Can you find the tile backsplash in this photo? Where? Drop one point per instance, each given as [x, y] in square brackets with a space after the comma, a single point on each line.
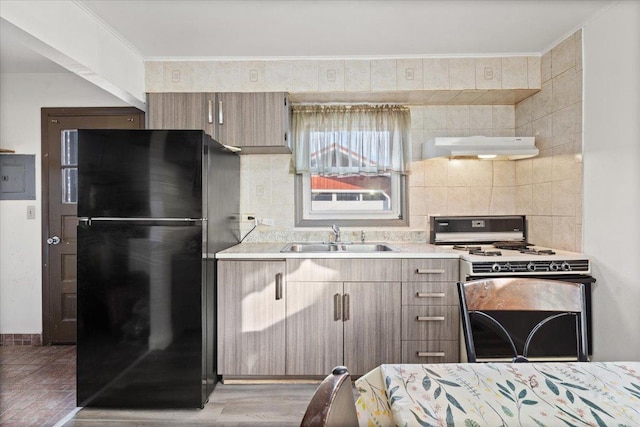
[454, 97]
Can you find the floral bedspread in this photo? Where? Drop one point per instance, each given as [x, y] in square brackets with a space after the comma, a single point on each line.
[501, 394]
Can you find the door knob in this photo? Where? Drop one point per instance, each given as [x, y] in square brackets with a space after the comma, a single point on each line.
[53, 240]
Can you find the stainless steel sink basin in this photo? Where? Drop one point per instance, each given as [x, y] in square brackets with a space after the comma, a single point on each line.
[338, 247]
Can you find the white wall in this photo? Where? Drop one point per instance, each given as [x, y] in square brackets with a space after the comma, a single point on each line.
[612, 177]
[21, 97]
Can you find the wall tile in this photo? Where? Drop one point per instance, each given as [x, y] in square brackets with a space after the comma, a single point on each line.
[436, 201]
[514, 72]
[524, 171]
[542, 131]
[480, 200]
[481, 117]
[435, 117]
[564, 164]
[505, 132]
[524, 130]
[563, 198]
[545, 67]
[524, 199]
[504, 173]
[459, 200]
[484, 132]
[435, 73]
[494, 67]
[503, 200]
[176, 77]
[578, 49]
[154, 76]
[534, 72]
[457, 175]
[416, 177]
[409, 74]
[503, 116]
[480, 172]
[417, 116]
[462, 73]
[278, 76]
[457, 117]
[565, 90]
[417, 205]
[331, 76]
[305, 76]
[383, 75]
[418, 221]
[417, 138]
[542, 102]
[564, 233]
[202, 75]
[357, 76]
[540, 200]
[523, 112]
[563, 56]
[564, 121]
[541, 167]
[436, 172]
[540, 229]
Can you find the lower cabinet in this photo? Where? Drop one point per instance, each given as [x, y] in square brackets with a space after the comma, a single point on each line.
[354, 324]
[251, 318]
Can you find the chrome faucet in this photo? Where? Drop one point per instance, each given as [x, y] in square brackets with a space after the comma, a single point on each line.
[336, 233]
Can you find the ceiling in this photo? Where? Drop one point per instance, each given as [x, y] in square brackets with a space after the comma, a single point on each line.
[241, 29]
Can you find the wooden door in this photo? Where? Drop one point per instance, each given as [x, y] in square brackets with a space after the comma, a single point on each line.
[59, 191]
[182, 111]
[251, 318]
[372, 325]
[314, 327]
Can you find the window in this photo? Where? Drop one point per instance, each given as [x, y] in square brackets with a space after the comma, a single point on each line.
[351, 163]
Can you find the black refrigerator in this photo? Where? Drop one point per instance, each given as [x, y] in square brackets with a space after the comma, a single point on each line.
[152, 205]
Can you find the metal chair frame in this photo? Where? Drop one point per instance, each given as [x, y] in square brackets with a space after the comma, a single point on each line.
[522, 294]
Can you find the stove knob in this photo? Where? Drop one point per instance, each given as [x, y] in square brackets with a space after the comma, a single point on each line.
[531, 267]
[496, 268]
[565, 266]
[554, 267]
[506, 267]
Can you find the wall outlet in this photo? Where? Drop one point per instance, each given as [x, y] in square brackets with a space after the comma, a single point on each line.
[488, 73]
[247, 217]
[266, 221]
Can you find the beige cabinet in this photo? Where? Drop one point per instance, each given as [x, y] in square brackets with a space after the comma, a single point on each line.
[173, 110]
[251, 318]
[350, 316]
[430, 313]
[256, 122]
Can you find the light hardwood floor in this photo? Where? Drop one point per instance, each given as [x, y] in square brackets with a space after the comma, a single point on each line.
[229, 405]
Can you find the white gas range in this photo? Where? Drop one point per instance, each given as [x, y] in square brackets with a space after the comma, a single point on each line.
[496, 246]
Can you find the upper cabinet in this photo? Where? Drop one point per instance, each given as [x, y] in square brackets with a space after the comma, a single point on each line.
[255, 122]
[173, 110]
[258, 123]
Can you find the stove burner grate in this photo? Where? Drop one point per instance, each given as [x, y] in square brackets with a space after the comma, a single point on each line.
[466, 248]
[485, 253]
[534, 251]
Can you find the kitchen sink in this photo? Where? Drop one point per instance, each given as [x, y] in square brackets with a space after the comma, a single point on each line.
[338, 247]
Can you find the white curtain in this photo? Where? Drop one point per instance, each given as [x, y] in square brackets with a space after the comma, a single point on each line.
[351, 140]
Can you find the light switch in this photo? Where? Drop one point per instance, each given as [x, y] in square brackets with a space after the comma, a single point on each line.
[253, 75]
[31, 212]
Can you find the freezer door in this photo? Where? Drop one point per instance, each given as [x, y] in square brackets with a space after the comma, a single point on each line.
[140, 298]
[140, 173]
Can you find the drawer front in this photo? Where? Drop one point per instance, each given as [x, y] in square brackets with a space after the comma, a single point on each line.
[431, 323]
[430, 270]
[429, 293]
[343, 270]
[430, 352]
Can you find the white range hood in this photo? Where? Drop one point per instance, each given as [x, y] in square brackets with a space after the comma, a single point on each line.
[480, 147]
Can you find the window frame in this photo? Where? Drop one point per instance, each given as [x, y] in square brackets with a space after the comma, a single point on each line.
[303, 195]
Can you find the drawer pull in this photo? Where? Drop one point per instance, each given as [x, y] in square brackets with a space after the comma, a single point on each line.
[430, 294]
[430, 271]
[430, 318]
[278, 286]
[337, 307]
[431, 354]
[346, 308]
[210, 112]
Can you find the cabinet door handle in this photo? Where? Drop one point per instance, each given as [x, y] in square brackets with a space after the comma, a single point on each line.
[431, 354]
[210, 112]
[430, 294]
[430, 318]
[430, 271]
[345, 307]
[279, 286]
[337, 307]
[220, 115]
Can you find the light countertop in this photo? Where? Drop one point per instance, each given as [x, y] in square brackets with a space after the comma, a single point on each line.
[272, 251]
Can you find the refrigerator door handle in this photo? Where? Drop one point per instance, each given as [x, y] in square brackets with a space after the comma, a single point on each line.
[90, 220]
